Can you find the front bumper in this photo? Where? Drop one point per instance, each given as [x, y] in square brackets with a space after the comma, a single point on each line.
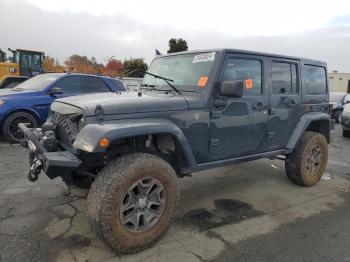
[54, 164]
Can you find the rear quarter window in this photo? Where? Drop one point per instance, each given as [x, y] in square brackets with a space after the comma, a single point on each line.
[315, 80]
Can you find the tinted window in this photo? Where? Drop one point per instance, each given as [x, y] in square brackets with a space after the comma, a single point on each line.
[31, 61]
[118, 84]
[115, 84]
[70, 84]
[315, 80]
[284, 78]
[94, 85]
[246, 70]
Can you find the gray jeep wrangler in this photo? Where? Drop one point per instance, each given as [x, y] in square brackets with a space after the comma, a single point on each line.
[193, 111]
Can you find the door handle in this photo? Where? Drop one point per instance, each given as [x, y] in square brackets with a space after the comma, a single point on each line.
[259, 107]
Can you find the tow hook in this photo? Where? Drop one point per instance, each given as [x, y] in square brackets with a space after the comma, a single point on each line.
[35, 170]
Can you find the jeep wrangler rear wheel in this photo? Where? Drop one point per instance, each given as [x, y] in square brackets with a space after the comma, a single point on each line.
[132, 202]
[307, 163]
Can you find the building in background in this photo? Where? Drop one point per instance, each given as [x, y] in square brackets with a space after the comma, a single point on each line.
[339, 82]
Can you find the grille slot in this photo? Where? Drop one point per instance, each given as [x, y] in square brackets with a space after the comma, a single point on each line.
[65, 127]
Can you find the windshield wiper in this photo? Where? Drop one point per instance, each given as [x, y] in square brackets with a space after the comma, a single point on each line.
[167, 80]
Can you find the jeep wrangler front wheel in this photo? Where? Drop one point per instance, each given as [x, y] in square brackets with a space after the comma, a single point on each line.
[307, 163]
[132, 202]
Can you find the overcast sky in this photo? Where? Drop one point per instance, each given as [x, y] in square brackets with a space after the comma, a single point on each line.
[310, 28]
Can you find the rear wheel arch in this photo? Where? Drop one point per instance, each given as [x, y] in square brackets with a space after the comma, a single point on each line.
[320, 126]
[319, 123]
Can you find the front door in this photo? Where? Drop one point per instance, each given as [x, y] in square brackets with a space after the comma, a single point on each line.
[238, 125]
[284, 109]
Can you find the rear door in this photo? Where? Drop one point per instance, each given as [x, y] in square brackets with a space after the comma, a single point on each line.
[91, 84]
[285, 101]
[238, 125]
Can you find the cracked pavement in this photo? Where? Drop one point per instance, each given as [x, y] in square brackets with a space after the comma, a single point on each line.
[245, 212]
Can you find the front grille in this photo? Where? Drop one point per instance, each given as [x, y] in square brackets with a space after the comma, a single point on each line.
[65, 127]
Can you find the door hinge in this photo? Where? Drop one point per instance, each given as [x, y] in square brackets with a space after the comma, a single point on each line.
[215, 114]
[271, 134]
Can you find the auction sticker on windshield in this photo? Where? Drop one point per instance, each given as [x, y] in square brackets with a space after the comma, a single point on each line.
[204, 57]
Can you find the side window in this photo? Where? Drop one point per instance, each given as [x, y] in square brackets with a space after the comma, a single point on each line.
[247, 70]
[70, 84]
[119, 85]
[94, 85]
[284, 78]
[36, 62]
[26, 61]
[315, 80]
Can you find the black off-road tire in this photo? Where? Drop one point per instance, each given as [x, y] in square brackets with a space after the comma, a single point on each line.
[296, 162]
[346, 133]
[109, 188]
[14, 118]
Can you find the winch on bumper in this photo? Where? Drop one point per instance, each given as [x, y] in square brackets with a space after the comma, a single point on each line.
[46, 155]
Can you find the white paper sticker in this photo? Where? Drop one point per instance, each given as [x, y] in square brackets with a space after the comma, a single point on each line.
[204, 57]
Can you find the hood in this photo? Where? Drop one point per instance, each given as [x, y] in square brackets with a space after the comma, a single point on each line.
[10, 92]
[127, 102]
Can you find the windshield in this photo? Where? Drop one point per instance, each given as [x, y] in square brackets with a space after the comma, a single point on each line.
[38, 82]
[336, 97]
[185, 70]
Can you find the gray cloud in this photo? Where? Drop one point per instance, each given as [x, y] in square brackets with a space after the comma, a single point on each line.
[61, 34]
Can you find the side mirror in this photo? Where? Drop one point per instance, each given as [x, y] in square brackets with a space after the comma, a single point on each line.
[232, 88]
[55, 91]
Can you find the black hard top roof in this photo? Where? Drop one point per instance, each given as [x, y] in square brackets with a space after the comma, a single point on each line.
[238, 51]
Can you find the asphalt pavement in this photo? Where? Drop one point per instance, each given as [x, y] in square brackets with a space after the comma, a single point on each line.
[245, 212]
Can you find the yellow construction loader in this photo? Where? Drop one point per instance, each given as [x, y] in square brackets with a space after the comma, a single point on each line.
[23, 65]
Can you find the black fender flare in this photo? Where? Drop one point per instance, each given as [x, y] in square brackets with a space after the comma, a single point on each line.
[304, 121]
[88, 138]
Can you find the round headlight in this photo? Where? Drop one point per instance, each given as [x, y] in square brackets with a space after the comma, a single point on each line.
[81, 123]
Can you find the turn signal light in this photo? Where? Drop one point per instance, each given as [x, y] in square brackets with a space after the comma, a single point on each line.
[104, 142]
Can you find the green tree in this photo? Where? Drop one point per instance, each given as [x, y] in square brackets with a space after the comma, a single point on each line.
[133, 65]
[177, 45]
